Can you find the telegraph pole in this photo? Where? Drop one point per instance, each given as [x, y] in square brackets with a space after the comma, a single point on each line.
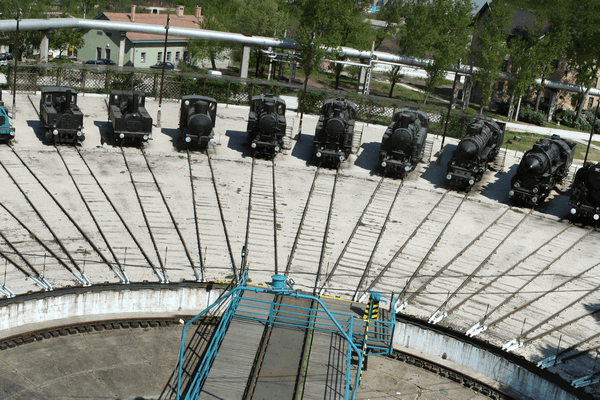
[162, 77]
[16, 57]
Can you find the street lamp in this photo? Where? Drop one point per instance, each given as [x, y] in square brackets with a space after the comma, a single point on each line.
[18, 18]
[162, 77]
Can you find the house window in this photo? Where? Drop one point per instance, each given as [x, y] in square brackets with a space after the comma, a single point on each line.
[168, 56]
[160, 57]
[595, 82]
[143, 57]
[505, 66]
[99, 33]
[500, 87]
[98, 53]
[107, 54]
[177, 55]
[554, 63]
[590, 102]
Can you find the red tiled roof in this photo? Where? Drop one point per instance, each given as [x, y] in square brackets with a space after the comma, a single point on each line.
[187, 21]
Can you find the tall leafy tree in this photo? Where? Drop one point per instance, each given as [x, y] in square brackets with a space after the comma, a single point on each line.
[489, 48]
[64, 38]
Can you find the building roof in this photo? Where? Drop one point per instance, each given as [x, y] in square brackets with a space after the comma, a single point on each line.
[186, 21]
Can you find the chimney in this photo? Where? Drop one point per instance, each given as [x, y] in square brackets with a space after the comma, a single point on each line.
[198, 12]
[132, 16]
[180, 11]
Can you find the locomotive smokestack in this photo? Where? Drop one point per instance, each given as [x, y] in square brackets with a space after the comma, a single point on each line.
[200, 107]
[136, 103]
[68, 100]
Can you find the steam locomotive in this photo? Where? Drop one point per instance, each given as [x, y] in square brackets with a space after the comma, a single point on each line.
[7, 132]
[129, 119]
[333, 137]
[197, 119]
[62, 119]
[403, 141]
[477, 148]
[266, 125]
[541, 168]
[585, 192]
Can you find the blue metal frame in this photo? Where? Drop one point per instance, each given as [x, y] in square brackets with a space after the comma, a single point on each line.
[259, 310]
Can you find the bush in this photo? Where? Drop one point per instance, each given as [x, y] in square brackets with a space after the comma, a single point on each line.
[527, 114]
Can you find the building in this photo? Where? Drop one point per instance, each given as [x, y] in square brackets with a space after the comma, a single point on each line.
[140, 50]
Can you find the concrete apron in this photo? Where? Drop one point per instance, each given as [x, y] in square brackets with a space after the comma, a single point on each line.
[56, 309]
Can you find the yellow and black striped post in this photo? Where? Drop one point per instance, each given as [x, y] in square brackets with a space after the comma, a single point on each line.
[371, 313]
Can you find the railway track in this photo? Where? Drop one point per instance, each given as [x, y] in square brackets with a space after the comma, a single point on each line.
[305, 260]
[354, 262]
[261, 225]
[209, 220]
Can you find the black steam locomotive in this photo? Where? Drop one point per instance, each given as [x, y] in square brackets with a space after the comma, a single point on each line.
[197, 119]
[541, 168]
[128, 117]
[333, 137]
[477, 148]
[403, 141]
[62, 119]
[266, 125]
[585, 192]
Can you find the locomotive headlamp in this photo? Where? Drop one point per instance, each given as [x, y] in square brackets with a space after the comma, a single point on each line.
[471, 182]
[12, 133]
[511, 193]
[277, 149]
[449, 176]
[534, 199]
[253, 145]
[145, 138]
[79, 127]
[55, 132]
[573, 211]
[79, 133]
[517, 184]
[342, 158]
[122, 136]
[318, 154]
[596, 216]
[407, 168]
[535, 190]
[383, 164]
[188, 139]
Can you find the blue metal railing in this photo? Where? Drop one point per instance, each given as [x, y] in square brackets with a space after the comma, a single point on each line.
[321, 319]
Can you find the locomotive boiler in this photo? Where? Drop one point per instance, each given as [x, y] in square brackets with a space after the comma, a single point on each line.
[7, 132]
[128, 117]
[197, 119]
[585, 192]
[540, 169]
[266, 125]
[332, 143]
[403, 142]
[476, 150]
[60, 115]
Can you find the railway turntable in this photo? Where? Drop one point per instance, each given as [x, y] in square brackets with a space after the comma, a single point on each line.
[274, 342]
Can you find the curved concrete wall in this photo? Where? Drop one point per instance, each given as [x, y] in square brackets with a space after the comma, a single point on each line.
[29, 313]
[476, 362]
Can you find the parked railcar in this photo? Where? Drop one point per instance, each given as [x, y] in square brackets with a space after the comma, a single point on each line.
[266, 125]
[585, 192]
[197, 120]
[403, 142]
[60, 115]
[334, 133]
[476, 150]
[128, 117]
[7, 132]
[541, 169]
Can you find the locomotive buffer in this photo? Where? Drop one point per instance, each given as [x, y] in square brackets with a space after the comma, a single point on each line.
[277, 343]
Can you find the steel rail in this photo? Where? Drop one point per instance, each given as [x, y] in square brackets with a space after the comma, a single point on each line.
[326, 233]
[82, 278]
[301, 223]
[398, 306]
[39, 279]
[214, 182]
[406, 242]
[114, 208]
[179, 234]
[434, 317]
[162, 278]
[123, 276]
[275, 216]
[200, 256]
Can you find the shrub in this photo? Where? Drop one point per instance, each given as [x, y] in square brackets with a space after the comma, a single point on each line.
[527, 114]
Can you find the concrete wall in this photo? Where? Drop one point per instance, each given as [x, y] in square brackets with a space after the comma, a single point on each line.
[476, 362]
[50, 311]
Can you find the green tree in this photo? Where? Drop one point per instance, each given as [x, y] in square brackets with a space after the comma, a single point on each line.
[64, 38]
[489, 48]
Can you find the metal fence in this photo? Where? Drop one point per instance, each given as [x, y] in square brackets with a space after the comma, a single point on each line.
[225, 89]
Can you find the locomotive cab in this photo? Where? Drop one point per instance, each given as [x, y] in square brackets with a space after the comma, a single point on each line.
[129, 119]
[197, 119]
[62, 118]
[266, 125]
[332, 143]
[403, 142]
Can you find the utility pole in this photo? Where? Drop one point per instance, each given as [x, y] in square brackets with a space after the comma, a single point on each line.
[16, 57]
[307, 74]
[162, 77]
